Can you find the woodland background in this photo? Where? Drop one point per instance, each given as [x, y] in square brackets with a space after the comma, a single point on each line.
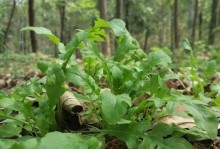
[154, 23]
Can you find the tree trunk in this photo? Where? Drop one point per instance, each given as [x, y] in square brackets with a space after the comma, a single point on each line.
[62, 7]
[171, 29]
[175, 25]
[213, 22]
[146, 40]
[194, 22]
[126, 7]
[31, 23]
[103, 15]
[119, 9]
[200, 25]
[9, 22]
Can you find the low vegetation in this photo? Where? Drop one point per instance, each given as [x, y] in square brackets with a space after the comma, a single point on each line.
[116, 102]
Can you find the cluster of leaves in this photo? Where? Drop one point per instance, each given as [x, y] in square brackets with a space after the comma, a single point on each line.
[126, 95]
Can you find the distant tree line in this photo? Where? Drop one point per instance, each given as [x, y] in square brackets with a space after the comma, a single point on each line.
[152, 22]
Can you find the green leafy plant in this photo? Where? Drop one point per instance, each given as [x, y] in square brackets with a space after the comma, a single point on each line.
[126, 95]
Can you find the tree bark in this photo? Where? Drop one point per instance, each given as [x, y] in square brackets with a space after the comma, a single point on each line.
[119, 9]
[31, 23]
[194, 22]
[171, 29]
[103, 15]
[146, 40]
[9, 22]
[126, 6]
[62, 7]
[175, 25]
[200, 25]
[213, 21]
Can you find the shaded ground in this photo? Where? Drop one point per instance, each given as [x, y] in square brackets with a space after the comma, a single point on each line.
[15, 70]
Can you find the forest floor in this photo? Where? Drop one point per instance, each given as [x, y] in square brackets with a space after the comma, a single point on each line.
[16, 70]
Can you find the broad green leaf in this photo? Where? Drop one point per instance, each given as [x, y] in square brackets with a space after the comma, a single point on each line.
[43, 66]
[43, 31]
[210, 69]
[55, 84]
[130, 133]
[29, 142]
[123, 48]
[7, 143]
[7, 103]
[216, 101]
[162, 130]
[173, 142]
[204, 118]
[38, 30]
[118, 27]
[158, 58]
[113, 107]
[72, 46]
[100, 23]
[61, 48]
[97, 34]
[80, 78]
[157, 135]
[117, 77]
[154, 84]
[117, 73]
[186, 45]
[58, 140]
[9, 130]
[195, 133]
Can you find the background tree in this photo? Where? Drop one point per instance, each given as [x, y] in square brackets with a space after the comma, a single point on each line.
[103, 15]
[126, 12]
[194, 21]
[119, 9]
[175, 24]
[31, 23]
[213, 21]
[151, 22]
[61, 4]
[9, 21]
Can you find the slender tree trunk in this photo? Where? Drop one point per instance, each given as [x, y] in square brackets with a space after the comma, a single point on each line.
[31, 23]
[9, 22]
[103, 9]
[200, 25]
[62, 7]
[147, 33]
[171, 28]
[119, 9]
[103, 15]
[213, 22]
[175, 25]
[194, 22]
[126, 7]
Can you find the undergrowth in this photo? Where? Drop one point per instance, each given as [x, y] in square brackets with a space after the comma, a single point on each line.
[125, 95]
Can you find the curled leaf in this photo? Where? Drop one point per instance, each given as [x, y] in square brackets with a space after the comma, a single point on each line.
[70, 104]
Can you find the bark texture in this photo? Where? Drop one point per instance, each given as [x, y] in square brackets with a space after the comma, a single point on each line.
[213, 21]
[9, 22]
[31, 23]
